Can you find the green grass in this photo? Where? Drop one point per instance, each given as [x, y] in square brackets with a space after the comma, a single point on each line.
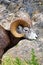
[34, 60]
[8, 60]
[13, 61]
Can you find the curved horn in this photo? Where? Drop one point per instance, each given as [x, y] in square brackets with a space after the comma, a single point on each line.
[14, 26]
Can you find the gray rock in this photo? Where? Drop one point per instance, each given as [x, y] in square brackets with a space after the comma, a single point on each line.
[23, 50]
[38, 20]
[40, 24]
[3, 12]
[1, 1]
[24, 5]
[12, 7]
[7, 19]
[6, 2]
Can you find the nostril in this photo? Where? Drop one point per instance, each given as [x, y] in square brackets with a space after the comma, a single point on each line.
[36, 36]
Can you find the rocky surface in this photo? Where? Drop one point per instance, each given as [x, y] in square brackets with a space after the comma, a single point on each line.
[8, 10]
[5, 17]
[23, 48]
